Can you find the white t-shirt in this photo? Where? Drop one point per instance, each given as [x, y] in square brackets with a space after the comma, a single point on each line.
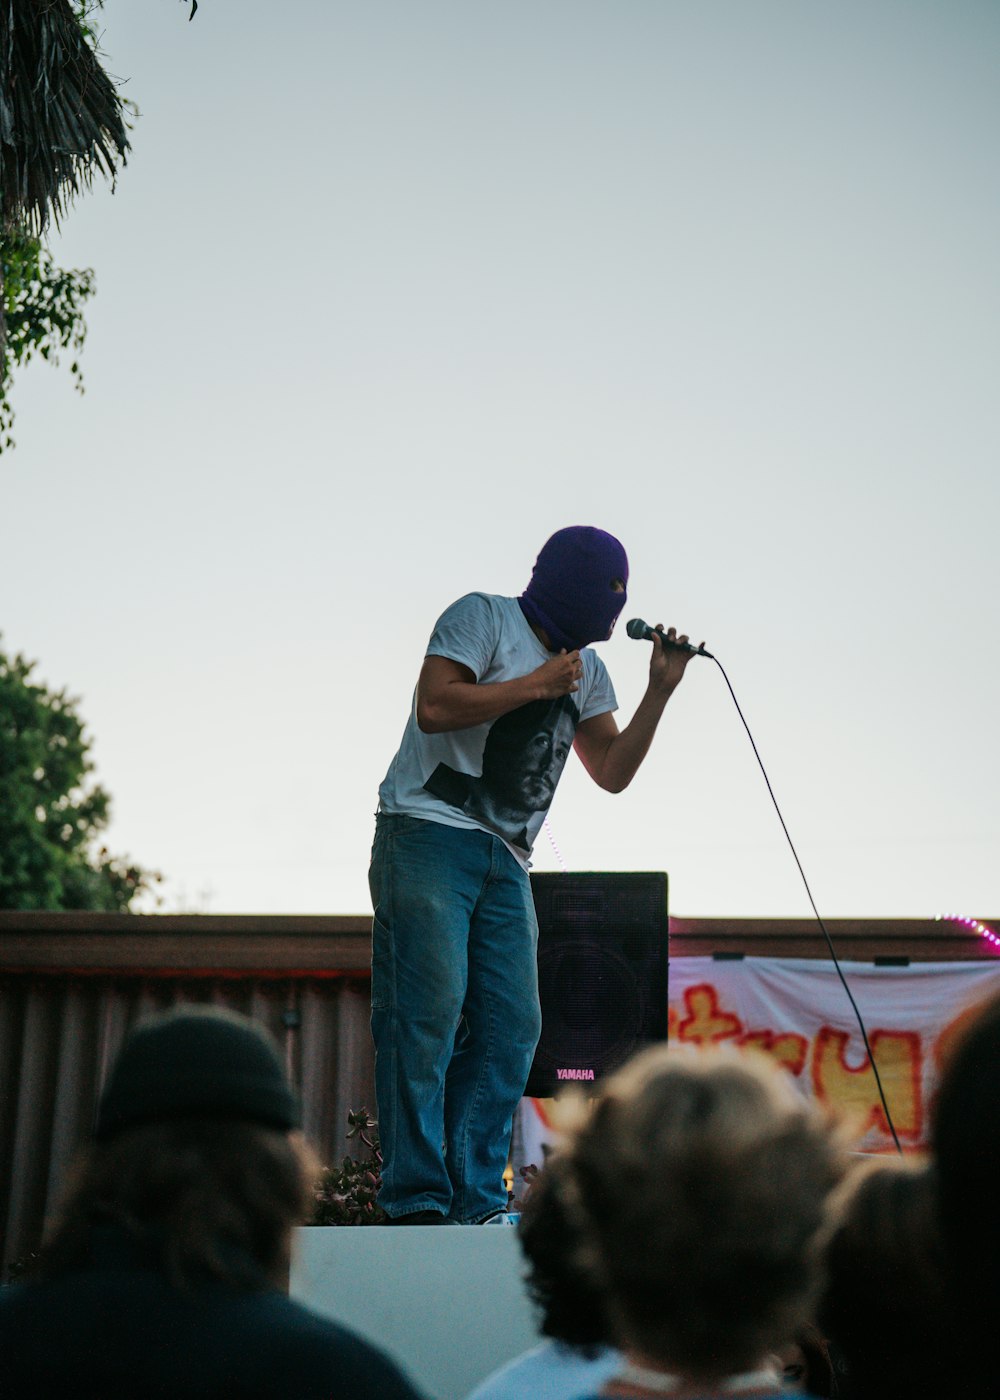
[500, 776]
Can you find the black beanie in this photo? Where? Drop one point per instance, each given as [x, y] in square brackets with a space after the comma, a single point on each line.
[196, 1062]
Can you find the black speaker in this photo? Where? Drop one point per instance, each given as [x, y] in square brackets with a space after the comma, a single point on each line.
[602, 974]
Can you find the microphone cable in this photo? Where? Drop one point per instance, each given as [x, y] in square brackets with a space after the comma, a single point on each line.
[641, 631]
[819, 919]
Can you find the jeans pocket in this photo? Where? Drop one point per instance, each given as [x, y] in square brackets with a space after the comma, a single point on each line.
[383, 951]
[383, 970]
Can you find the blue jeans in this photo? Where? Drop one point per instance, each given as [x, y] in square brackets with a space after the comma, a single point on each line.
[455, 1014]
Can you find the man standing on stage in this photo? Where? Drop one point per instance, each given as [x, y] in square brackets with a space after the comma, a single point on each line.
[507, 685]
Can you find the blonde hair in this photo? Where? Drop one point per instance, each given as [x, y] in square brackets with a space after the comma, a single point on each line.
[700, 1182]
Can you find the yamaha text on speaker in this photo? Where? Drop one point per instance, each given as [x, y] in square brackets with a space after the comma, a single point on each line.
[602, 973]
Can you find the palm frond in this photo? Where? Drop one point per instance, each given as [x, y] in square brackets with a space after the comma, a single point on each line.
[61, 118]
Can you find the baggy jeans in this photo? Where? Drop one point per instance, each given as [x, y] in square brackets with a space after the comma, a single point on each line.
[455, 1013]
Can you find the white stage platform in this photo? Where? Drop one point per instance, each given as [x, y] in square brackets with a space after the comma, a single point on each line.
[447, 1302]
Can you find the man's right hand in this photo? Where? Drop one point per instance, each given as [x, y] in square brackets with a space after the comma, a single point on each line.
[558, 676]
[449, 696]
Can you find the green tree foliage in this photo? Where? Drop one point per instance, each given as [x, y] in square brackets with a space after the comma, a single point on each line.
[62, 119]
[51, 813]
[346, 1195]
[43, 311]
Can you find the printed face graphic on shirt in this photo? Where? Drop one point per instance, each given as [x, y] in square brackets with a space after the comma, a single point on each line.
[523, 761]
[523, 758]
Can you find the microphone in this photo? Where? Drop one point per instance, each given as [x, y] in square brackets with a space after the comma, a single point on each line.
[641, 631]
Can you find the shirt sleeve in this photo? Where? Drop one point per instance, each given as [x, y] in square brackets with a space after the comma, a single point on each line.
[467, 632]
[601, 696]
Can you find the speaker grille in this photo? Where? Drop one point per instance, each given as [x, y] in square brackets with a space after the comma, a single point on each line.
[602, 972]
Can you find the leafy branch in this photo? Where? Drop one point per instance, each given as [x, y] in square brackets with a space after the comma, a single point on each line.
[43, 313]
[62, 120]
[346, 1195]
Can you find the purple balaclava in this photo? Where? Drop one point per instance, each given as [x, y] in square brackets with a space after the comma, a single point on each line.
[570, 594]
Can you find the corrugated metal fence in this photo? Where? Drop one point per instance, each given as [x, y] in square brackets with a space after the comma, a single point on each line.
[71, 986]
[61, 1028]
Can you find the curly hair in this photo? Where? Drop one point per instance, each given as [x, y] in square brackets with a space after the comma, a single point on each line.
[570, 1302]
[205, 1197]
[701, 1182]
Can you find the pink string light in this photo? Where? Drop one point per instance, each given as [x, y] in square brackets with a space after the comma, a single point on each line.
[552, 843]
[982, 929]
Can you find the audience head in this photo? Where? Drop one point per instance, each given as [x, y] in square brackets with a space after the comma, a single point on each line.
[966, 1144]
[194, 1153]
[571, 1303]
[805, 1363]
[701, 1182]
[885, 1306]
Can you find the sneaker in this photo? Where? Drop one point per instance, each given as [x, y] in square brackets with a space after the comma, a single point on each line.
[419, 1217]
[500, 1217]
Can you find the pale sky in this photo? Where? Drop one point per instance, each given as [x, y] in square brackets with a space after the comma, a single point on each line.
[389, 292]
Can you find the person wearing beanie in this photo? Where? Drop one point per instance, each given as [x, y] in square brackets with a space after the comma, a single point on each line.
[508, 686]
[197, 1063]
[164, 1273]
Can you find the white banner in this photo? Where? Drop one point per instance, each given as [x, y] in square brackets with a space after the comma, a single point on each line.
[797, 1010]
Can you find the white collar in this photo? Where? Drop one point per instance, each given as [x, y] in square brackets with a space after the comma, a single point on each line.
[663, 1383]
